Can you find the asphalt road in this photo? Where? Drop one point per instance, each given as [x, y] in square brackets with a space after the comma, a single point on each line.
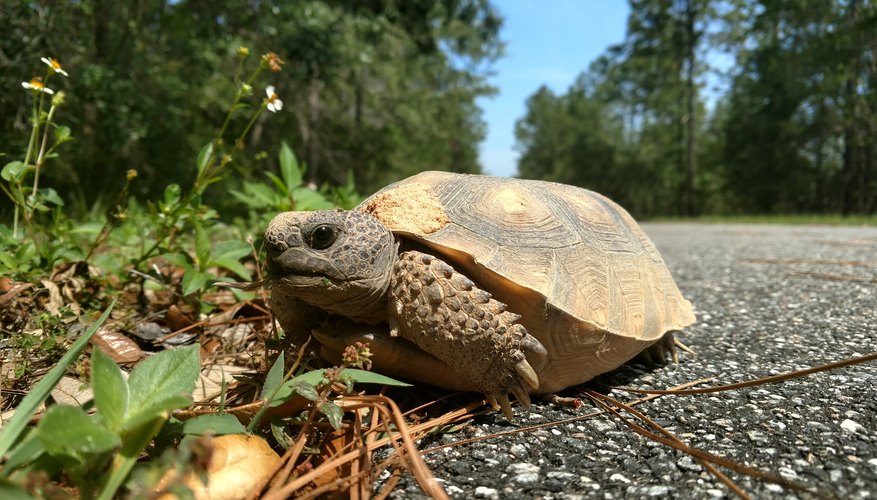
[769, 299]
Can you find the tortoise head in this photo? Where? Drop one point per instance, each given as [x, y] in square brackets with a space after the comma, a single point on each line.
[337, 260]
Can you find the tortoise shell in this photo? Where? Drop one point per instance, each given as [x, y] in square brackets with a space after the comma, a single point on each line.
[586, 280]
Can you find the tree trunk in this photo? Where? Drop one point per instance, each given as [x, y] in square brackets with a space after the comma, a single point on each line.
[310, 134]
[691, 98]
[852, 157]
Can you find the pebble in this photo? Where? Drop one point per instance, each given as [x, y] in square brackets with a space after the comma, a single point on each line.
[688, 463]
[648, 491]
[518, 450]
[485, 492]
[618, 478]
[851, 426]
[523, 472]
[560, 475]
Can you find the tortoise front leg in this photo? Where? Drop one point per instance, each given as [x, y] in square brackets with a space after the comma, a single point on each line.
[295, 317]
[446, 315]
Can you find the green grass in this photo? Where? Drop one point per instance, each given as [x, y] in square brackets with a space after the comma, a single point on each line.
[797, 219]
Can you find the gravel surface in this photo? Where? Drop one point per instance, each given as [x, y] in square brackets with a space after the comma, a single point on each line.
[769, 299]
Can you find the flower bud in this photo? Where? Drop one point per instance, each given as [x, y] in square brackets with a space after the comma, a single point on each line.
[58, 99]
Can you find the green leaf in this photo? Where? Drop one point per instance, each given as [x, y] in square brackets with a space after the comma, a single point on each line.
[246, 199]
[305, 390]
[278, 430]
[274, 377]
[289, 168]
[194, 280]
[262, 193]
[110, 390]
[278, 183]
[28, 406]
[367, 377]
[216, 424]
[12, 491]
[25, 452]
[179, 259]
[316, 377]
[51, 196]
[62, 133]
[232, 265]
[162, 383]
[133, 446]
[202, 246]
[171, 196]
[204, 157]
[227, 255]
[333, 413]
[67, 431]
[308, 199]
[13, 171]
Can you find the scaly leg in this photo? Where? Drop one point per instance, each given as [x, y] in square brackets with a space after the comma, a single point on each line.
[446, 315]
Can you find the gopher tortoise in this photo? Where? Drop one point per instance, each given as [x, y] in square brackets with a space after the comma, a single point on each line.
[476, 283]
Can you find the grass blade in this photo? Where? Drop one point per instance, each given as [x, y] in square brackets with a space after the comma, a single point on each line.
[43, 388]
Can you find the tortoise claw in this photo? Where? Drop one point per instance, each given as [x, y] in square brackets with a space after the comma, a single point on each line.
[521, 395]
[528, 375]
[505, 405]
[491, 400]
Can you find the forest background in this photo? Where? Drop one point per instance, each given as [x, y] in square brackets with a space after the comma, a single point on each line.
[381, 89]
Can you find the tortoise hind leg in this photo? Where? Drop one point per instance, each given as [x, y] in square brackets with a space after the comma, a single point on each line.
[657, 353]
[446, 315]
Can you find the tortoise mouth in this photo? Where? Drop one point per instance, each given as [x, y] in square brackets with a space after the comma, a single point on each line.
[294, 263]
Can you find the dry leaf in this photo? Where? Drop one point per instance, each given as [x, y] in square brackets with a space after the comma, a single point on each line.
[117, 346]
[54, 303]
[240, 466]
[176, 320]
[334, 445]
[14, 290]
[210, 382]
[71, 391]
[5, 284]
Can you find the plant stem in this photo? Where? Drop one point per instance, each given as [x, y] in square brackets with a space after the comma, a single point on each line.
[42, 153]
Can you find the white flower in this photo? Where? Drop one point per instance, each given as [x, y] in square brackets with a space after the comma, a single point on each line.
[274, 104]
[37, 84]
[54, 64]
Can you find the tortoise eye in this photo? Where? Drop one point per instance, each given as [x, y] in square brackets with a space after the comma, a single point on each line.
[323, 236]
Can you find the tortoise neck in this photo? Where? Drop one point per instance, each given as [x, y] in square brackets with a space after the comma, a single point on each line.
[369, 308]
[365, 301]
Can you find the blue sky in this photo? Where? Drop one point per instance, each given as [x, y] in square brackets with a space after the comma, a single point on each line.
[548, 42]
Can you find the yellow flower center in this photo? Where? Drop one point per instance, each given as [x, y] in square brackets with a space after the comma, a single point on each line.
[37, 83]
[55, 63]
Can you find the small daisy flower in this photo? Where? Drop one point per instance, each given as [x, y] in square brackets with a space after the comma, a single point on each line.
[54, 64]
[274, 104]
[37, 85]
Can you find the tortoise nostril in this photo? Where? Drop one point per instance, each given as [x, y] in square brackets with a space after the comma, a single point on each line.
[275, 244]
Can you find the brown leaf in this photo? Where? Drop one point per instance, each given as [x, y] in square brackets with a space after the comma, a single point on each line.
[5, 284]
[240, 466]
[176, 320]
[71, 391]
[14, 290]
[55, 301]
[210, 383]
[334, 445]
[117, 346]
